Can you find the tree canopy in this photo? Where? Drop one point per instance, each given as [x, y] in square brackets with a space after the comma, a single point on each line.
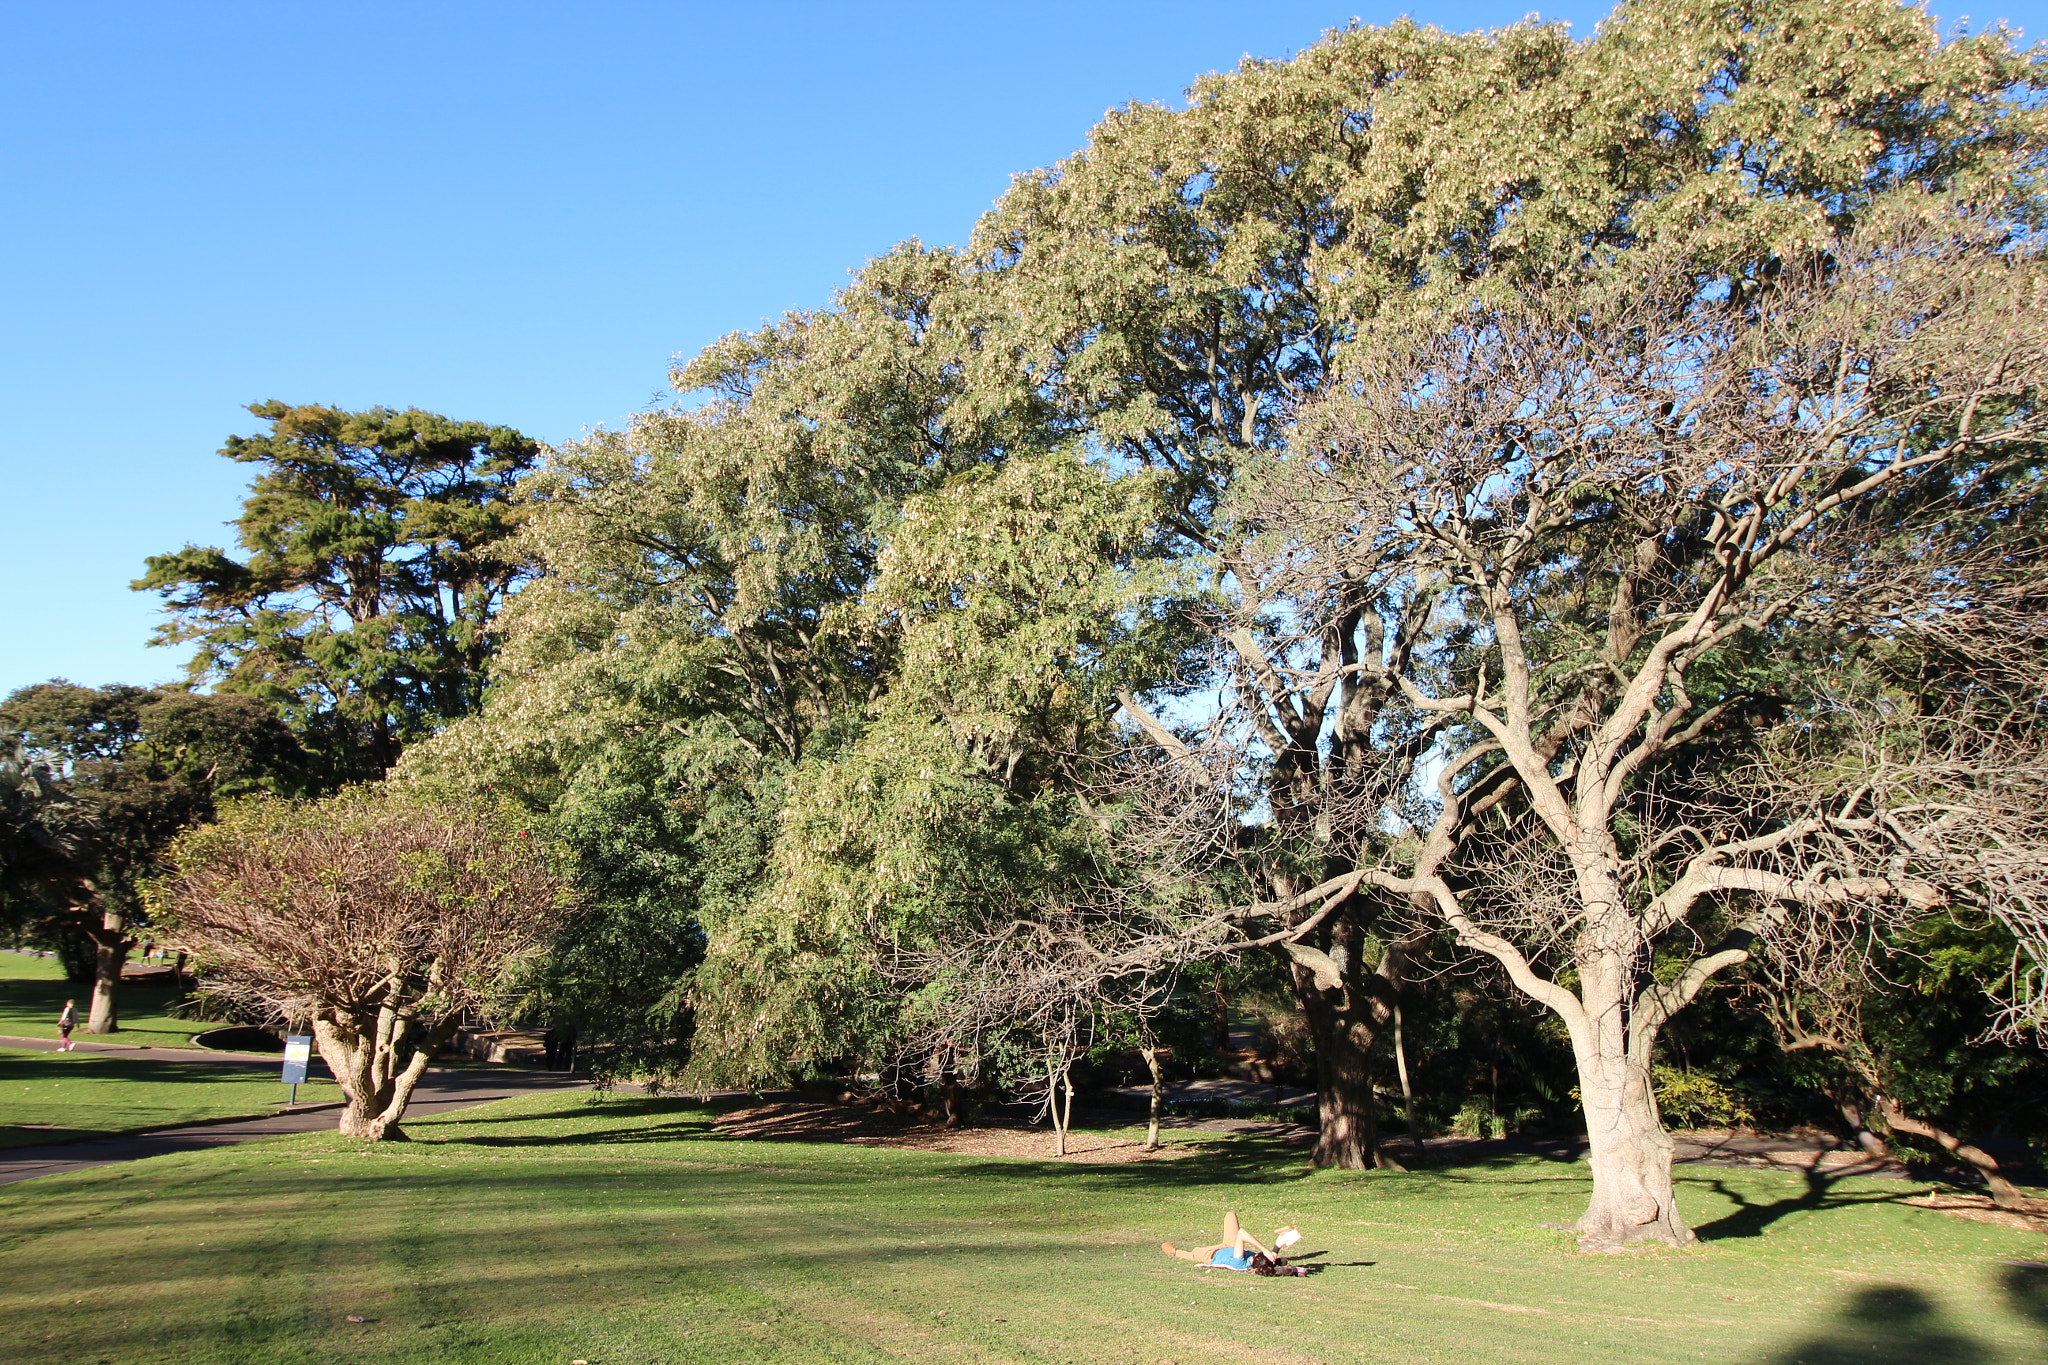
[1433, 495]
[376, 559]
[99, 782]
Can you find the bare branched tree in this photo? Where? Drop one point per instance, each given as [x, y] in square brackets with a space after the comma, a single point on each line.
[380, 918]
[1282, 793]
[1024, 988]
[1967, 814]
[1568, 542]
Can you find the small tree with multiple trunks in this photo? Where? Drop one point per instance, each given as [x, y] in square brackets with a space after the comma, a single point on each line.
[381, 916]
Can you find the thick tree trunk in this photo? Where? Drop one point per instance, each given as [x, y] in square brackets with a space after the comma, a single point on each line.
[2003, 1192]
[1633, 1199]
[1330, 984]
[1347, 1141]
[377, 1062]
[110, 954]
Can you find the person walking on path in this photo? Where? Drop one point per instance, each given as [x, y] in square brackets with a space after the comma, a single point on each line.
[67, 1020]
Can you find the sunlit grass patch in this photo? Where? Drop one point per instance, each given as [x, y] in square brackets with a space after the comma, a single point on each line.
[562, 1227]
[49, 1096]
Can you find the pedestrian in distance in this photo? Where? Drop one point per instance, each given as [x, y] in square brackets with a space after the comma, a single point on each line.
[67, 1020]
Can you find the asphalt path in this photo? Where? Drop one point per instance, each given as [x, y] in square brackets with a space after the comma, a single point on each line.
[440, 1091]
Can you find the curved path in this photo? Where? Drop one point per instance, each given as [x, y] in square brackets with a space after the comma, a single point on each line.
[440, 1091]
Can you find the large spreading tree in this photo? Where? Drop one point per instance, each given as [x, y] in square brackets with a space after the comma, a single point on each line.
[985, 573]
[1177, 293]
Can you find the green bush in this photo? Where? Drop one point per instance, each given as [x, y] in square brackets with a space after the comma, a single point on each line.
[1693, 1099]
[1475, 1119]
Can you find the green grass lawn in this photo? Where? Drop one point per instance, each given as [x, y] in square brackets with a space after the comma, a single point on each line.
[552, 1229]
[88, 1093]
[33, 990]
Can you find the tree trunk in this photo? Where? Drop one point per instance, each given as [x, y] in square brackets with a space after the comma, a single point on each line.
[1062, 1074]
[949, 1095]
[1873, 1146]
[378, 1062]
[2004, 1193]
[1347, 1140]
[1328, 984]
[1407, 1094]
[1158, 1098]
[110, 952]
[1633, 1199]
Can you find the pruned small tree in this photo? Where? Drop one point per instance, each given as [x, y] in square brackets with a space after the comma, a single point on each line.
[380, 916]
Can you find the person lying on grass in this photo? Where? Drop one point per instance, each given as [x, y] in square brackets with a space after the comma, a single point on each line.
[1239, 1250]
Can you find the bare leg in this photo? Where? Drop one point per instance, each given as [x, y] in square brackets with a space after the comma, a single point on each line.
[1234, 1237]
[1200, 1255]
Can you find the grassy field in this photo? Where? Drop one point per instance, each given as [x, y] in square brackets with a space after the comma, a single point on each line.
[33, 989]
[558, 1229]
[88, 1093]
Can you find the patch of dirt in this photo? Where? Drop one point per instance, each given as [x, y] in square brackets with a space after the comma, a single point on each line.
[872, 1126]
[1978, 1208]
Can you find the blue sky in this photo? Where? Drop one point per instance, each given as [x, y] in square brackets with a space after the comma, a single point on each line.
[509, 212]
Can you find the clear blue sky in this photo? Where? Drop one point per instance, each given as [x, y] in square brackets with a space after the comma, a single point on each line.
[510, 212]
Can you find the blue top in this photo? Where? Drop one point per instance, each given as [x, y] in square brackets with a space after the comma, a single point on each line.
[1231, 1259]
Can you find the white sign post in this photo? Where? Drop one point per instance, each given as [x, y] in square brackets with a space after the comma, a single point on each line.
[298, 1050]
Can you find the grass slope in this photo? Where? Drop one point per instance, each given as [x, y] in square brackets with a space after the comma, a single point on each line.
[33, 989]
[88, 1093]
[558, 1228]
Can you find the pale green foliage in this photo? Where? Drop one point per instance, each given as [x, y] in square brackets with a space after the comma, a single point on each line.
[698, 629]
[1179, 285]
[1009, 601]
[872, 572]
[1016, 593]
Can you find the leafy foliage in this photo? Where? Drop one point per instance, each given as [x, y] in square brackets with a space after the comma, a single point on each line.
[377, 560]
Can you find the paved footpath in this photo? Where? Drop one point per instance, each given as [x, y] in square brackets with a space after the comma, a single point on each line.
[439, 1091]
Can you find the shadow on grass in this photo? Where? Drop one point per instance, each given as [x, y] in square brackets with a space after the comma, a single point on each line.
[2026, 1284]
[105, 1066]
[1751, 1217]
[628, 1121]
[1885, 1325]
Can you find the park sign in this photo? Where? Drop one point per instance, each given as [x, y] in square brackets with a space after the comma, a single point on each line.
[298, 1050]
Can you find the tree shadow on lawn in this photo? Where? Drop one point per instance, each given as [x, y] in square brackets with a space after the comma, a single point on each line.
[2026, 1284]
[1752, 1217]
[103, 1066]
[633, 1121]
[1898, 1325]
[629, 1121]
